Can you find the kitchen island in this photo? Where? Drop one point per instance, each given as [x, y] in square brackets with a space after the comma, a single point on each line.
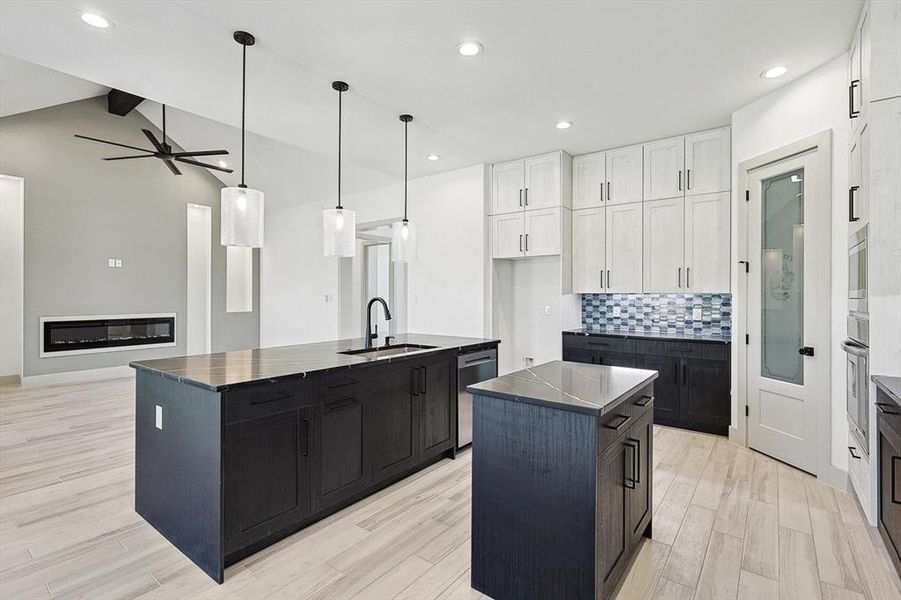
[562, 479]
[236, 450]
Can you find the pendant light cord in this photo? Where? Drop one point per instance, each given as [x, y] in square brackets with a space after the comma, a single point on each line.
[340, 94]
[243, 103]
[405, 170]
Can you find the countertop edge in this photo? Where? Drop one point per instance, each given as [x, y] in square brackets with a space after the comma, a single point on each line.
[884, 383]
[638, 335]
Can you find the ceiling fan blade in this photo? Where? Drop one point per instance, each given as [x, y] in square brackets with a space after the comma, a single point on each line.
[84, 137]
[159, 147]
[188, 161]
[129, 157]
[201, 153]
[172, 167]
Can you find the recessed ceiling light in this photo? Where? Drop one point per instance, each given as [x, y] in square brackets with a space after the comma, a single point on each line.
[564, 124]
[469, 48]
[223, 164]
[433, 157]
[95, 20]
[774, 72]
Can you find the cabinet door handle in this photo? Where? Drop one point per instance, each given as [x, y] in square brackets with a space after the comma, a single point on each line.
[527, 196]
[422, 379]
[687, 277]
[852, 114]
[520, 197]
[527, 241]
[602, 278]
[608, 191]
[608, 278]
[894, 498]
[851, 449]
[636, 465]
[881, 406]
[414, 380]
[680, 180]
[602, 191]
[644, 401]
[520, 242]
[688, 179]
[852, 194]
[619, 425]
[680, 277]
[341, 404]
[630, 482]
[306, 438]
[268, 400]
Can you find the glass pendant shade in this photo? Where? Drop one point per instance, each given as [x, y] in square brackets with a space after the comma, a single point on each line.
[404, 245]
[242, 217]
[339, 232]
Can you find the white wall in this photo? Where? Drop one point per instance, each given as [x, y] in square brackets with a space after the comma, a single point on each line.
[811, 104]
[300, 300]
[12, 282]
[198, 311]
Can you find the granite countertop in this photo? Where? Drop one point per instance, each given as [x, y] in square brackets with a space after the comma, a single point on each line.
[889, 385]
[576, 387]
[652, 335]
[222, 370]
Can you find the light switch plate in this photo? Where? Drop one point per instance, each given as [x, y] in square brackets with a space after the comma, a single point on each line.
[616, 311]
[696, 313]
[111, 263]
[159, 416]
[547, 310]
[118, 263]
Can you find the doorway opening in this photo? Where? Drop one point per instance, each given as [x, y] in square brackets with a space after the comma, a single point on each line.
[198, 312]
[12, 272]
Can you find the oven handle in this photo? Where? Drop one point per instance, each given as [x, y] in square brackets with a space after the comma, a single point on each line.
[855, 349]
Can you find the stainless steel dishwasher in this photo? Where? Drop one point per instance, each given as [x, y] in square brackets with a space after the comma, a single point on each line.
[473, 367]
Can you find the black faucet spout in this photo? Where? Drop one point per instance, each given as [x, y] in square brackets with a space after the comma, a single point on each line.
[370, 335]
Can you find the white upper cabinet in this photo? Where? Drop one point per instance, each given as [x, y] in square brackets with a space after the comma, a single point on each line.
[624, 175]
[881, 51]
[508, 235]
[858, 180]
[588, 262]
[543, 232]
[664, 245]
[707, 248]
[508, 185]
[664, 163]
[588, 180]
[542, 181]
[623, 248]
[707, 157]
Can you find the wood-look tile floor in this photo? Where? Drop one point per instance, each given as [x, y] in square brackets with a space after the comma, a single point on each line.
[728, 523]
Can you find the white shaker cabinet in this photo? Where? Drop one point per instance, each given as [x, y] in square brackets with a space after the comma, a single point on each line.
[588, 180]
[858, 184]
[664, 163]
[542, 232]
[542, 181]
[508, 235]
[623, 248]
[707, 248]
[508, 185]
[624, 175]
[588, 261]
[707, 157]
[664, 240]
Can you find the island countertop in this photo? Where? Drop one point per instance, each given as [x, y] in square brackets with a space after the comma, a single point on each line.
[576, 387]
[222, 370]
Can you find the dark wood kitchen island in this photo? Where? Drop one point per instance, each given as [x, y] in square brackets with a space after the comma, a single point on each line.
[562, 479]
[236, 450]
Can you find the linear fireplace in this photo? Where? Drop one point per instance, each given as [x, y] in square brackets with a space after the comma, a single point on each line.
[61, 336]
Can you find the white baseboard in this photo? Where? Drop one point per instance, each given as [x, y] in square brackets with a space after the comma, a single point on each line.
[75, 376]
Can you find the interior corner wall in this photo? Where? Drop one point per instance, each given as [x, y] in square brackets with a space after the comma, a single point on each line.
[815, 102]
[81, 210]
[301, 299]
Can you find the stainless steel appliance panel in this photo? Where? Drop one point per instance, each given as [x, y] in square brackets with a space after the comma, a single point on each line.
[857, 394]
[857, 271]
[474, 367]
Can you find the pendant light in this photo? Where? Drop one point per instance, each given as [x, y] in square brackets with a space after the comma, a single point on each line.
[339, 225]
[242, 207]
[403, 233]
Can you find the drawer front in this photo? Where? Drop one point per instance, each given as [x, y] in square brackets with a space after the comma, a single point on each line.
[669, 348]
[626, 414]
[260, 400]
[345, 384]
[859, 470]
[717, 351]
[600, 342]
[642, 402]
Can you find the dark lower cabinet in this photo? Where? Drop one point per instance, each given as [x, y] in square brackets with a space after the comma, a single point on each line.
[435, 396]
[640, 503]
[693, 385]
[394, 418]
[342, 461]
[889, 448]
[614, 534]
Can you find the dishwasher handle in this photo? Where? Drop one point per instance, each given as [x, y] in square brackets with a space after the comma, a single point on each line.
[474, 359]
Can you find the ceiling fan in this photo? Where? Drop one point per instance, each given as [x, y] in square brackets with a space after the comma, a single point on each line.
[163, 151]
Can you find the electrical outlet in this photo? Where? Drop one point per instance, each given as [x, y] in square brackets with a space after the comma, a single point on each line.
[617, 311]
[111, 263]
[118, 263]
[528, 362]
[159, 416]
[547, 310]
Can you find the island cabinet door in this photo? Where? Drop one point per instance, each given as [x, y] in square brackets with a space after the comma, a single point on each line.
[666, 386]
[267, 476]
[342, 468]
[393, 417]
[436, 391]
[639, 440]
[614, 532]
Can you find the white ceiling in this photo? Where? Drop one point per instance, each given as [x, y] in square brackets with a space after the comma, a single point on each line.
[28, 87]
[623, 72]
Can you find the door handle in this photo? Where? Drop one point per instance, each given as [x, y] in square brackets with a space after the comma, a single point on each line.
[852, 193]
[636, 463]
[527, 196]
[602, 191]
[806, 351]
[881, 406]
[630, 482]
[306, 438]
[520, 197]
[688, 179]
[680, 277]
[268, 400]
[619, 425]
[852, 114]
[602, 278]
[527, 237]
[520, 242]
[422, 380]
[680, 180]
[687, 276]
[341, 404]
[608, 191]
[851, 449]
[894, 500]
[644, 401]
[608, 278]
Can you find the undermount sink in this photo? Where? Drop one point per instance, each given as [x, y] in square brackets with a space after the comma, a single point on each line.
[388, 350]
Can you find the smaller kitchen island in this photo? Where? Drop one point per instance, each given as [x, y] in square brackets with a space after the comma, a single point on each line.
[562, 479]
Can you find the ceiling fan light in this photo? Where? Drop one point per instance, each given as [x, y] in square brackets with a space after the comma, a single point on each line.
[404, 242]
[242, 217]
[339, 229]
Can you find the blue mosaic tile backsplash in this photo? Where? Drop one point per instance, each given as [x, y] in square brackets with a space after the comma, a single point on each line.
[668, 313]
